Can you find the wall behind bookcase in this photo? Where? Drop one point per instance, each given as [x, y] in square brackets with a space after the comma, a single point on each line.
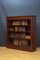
[18, 8]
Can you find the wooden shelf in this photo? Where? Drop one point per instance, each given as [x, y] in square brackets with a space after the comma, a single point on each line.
[21, 28]
[18, 38]
[19, 31]
[11, 26]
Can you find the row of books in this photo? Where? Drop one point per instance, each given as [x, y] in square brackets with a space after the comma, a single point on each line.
[17, 29]
[21, 42]
[23, 29]
[23, 36]
[20, 23]
[17, 35]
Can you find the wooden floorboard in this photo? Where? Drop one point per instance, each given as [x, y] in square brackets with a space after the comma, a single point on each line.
[12, 54]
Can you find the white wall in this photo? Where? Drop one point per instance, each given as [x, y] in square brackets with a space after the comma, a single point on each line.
[17, 8]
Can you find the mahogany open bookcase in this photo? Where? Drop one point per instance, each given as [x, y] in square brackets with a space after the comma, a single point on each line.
[21, 33]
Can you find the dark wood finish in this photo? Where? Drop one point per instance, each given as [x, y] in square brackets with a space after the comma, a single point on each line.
[21, 39]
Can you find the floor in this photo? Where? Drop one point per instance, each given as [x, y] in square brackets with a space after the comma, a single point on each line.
[12, 54]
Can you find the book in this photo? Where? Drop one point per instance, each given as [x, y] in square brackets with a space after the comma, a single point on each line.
[23, 35]
[20, 42]
[12, 35]
[24, 23]
[28, 37]
[24, 43]
[15, 42]
[16, 28]
[22, 29]
[11, 29]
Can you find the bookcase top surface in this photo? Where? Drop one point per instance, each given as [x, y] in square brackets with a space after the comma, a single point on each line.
[19, 17]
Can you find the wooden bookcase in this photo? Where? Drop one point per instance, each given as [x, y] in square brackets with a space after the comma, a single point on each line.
[21, 33]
